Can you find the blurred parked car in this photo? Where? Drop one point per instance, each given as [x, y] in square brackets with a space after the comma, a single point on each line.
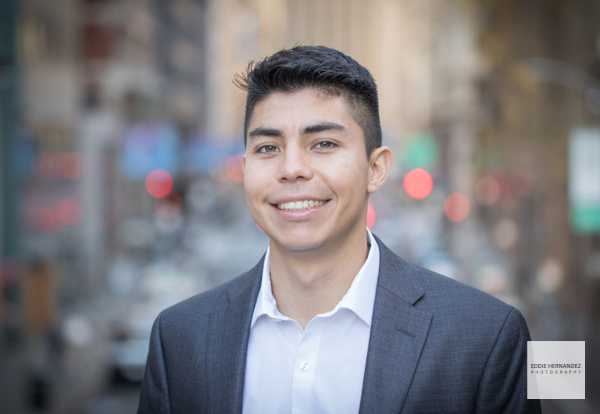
[161, 285]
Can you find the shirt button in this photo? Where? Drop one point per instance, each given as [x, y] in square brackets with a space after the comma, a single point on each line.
[304, 366]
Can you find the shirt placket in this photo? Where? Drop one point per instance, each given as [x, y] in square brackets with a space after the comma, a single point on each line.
[305, 365]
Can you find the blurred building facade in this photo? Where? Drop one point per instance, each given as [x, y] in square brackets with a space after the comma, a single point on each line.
[85, 71]
[539, 93]
[485, 95]
[76, 77]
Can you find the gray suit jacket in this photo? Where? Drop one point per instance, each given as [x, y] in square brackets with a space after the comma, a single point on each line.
[436, 346]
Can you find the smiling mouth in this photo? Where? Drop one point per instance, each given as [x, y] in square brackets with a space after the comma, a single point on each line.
[300, 205]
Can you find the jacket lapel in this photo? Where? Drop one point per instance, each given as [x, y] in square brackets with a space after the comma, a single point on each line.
[227, 336]
[398, 334]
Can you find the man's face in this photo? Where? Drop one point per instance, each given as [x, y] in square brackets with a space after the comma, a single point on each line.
[306, 173]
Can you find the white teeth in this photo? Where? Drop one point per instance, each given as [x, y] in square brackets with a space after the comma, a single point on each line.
[299, 205]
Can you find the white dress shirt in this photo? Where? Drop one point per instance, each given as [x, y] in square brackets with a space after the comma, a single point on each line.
[316, 370]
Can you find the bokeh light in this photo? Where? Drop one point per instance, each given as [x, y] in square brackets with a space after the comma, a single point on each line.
[550, 275]
[215, 167]
[159, 183]
[487, 190]
[422, 150]
[73, 166]
[492, 279]
[47, 219]
[418, 183]
[457, 207]
[68, 211]
[234, 169]
[370, 216]
[523, 182]
[506, 233]
[168, 207]
[59, 166]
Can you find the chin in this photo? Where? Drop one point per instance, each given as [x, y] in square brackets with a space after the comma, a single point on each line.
[296, 244]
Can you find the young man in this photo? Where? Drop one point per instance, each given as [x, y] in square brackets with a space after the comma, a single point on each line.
[330, 320]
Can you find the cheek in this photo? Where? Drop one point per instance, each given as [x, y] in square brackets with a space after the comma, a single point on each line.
[350, 173]
[254, 183]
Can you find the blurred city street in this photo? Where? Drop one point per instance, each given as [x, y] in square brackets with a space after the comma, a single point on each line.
[121, 181]
[94, 363]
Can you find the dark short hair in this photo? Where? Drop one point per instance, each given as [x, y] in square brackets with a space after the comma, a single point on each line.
[327, 70]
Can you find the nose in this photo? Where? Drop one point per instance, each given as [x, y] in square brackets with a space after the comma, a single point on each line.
[294, 165]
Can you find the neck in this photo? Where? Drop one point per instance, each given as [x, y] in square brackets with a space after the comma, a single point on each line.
[306, 284]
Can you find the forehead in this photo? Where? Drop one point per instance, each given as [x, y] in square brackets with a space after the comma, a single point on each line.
[299, 107]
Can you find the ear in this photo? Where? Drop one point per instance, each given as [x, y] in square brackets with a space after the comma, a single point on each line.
[244, 163]
[380, 163]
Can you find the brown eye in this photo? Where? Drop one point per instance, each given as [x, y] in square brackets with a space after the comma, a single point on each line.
[268, 148]
[325, 144]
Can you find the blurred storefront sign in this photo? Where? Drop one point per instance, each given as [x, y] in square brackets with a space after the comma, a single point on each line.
[421, 151]
[584, 180]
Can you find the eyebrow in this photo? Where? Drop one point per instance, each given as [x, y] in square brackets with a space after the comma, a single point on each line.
[265, 131]
[311, 129]
[323, 126]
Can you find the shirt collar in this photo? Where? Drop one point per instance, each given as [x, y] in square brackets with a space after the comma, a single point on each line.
[359, 299]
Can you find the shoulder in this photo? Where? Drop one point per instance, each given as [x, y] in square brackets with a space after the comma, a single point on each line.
[464, 308]
[443, 291]
[469, 333]
[445, 298]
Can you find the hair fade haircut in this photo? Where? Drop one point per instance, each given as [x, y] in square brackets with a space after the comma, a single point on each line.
[326, 70]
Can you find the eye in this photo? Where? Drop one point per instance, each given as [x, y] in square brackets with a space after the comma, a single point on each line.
[325, 145]
[267, 149]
